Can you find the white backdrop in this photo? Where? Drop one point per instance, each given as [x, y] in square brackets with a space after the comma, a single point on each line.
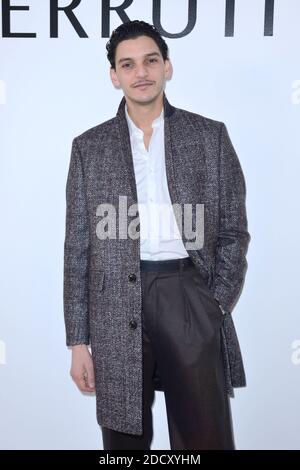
[52, 89]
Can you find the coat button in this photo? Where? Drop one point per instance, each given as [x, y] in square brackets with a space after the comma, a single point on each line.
[132, 324]
[132, 277]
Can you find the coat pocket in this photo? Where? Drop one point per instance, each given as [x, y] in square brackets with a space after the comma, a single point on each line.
[96, 280]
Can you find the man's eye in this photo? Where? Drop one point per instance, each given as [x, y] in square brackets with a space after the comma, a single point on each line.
[127, 65]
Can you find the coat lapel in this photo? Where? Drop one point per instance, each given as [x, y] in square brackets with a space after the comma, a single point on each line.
[127, 153]
[125, 147]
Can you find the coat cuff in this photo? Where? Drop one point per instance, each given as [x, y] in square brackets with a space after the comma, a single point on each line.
[77, 334]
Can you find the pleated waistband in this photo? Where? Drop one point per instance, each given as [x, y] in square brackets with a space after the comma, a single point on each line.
[166, 265]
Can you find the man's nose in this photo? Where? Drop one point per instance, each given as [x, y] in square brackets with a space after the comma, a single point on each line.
[141, 71]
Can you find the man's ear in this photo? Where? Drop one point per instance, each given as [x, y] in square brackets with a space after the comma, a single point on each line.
[168, 69]
[114, 78]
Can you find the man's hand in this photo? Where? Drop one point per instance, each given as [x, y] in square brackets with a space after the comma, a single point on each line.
[82, 369]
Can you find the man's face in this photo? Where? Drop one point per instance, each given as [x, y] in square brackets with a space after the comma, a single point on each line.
[140, 71]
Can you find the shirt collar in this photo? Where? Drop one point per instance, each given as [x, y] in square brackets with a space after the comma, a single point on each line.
[133, 128]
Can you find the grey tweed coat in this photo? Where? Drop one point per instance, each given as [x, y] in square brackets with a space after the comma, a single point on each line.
[102, 281]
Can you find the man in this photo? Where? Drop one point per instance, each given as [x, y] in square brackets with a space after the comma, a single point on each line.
[155, 309]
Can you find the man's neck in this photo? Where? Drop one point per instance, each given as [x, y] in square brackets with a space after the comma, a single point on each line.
[144, 115]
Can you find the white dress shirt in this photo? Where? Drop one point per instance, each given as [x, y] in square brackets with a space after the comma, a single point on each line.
[160, 238]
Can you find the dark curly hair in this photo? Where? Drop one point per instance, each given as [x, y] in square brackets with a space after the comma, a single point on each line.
[131, 30]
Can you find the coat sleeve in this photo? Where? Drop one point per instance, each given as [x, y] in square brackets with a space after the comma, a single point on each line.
[233, 238]
[76, 254]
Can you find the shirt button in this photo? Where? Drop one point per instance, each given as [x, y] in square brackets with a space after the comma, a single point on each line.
[132, 324]
[132, 277]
